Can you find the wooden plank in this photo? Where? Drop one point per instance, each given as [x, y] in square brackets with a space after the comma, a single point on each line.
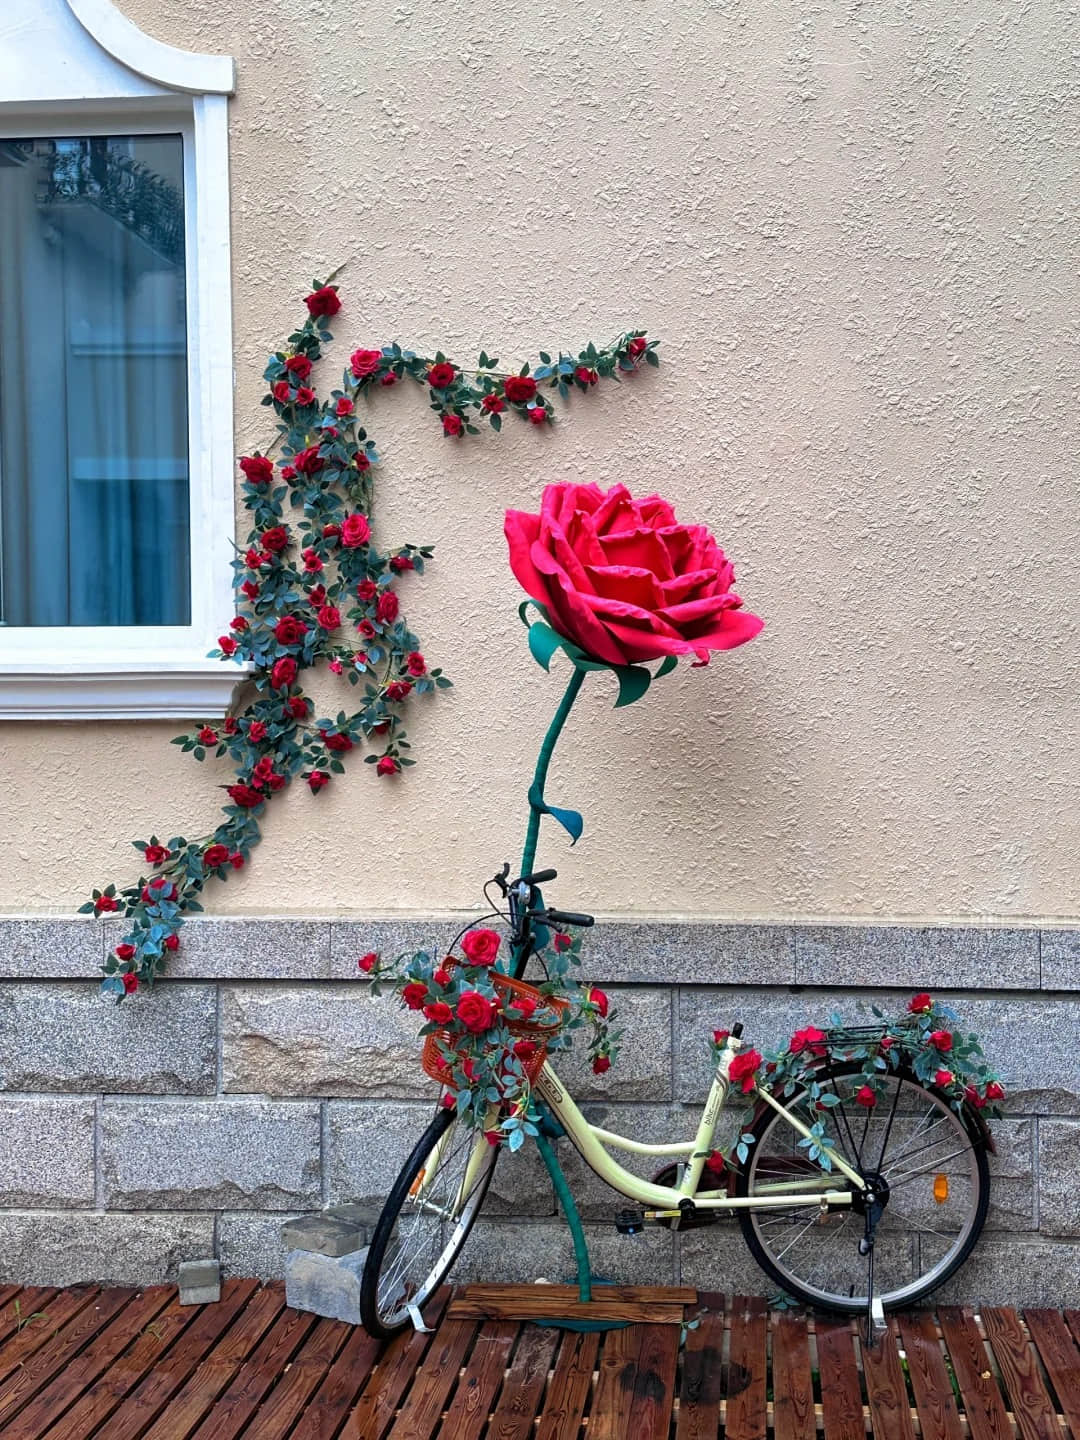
[653, 1396]
[792, 1377]
[746, 1369]
[390, 1379]
[336, 1394]
[59, 1351]
[890, 1409]
[239, 1402]
[561, 1302]
[703, 1378]
[1072, 1320]
[97, 1404]
[841, 1393]
[202, 1387]
[289, 1396]
[61, 1392]
[58, 1310]
[660, 1294]
[614, 1383]
[1061, 1359]
[938, 1415]
[433, 1381]
[141, 1404]
[19, 1303]
[523, 1387]
[1031, 1404]
[467, 1416]
[985, 1410]
[568, 1391]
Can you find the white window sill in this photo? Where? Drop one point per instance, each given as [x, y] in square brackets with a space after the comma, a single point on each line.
[148, 688]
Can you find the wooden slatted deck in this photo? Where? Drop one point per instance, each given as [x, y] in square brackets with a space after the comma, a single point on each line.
[120, 1364]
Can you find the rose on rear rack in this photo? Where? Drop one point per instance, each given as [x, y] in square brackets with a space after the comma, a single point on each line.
[486, 1035]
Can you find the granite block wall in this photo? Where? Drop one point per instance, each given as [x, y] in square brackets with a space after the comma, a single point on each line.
[261, 1080]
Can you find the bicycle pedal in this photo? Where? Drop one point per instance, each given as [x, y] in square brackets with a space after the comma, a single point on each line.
[630, 1222]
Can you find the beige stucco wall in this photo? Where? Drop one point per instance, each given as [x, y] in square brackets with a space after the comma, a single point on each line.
[854, 229]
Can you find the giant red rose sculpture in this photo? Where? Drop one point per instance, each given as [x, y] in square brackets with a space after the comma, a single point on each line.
[621, 578]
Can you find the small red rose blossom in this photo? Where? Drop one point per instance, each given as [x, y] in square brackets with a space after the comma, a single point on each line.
[414, 995]
[600, 1000]
[288, 472]
[343, 408]
[362, 462]
[298, 365]
[275, 539]
[475, 1011]
[367, 962]
[941, 1040]
[719, 1036]
[920, 1003]
[257, 731]
[284, 673]
[258, 469]
[716, 1164]
[227, 645]
[398, 690]
[865, 1097]
[238, 623]
[312, 564]
[561, 940]
[157, 854]
[453, 425]
[585, 375]
[335, 741]
[944, 1078]
[289, 630]
[438, 1012]
[309, 461]
[637, 346]
[525, 1050]
[441, 375]
[415, 663]
[215, 855]
[388, 379]
[231, 726]
[125, 951]
[363, 363]
[386, 611]
[995, 1091]
[356, 531]
[538, 415]
[493, 404]
[525, 1005]
[441, 976]
[744, 1068]
[323, 301]
[886, 1042]
[250, 589]
[519, 388]
[480, 947]
[207, 736]
[811, 1038]
[281, 391]
[329, 617]
[171, 942]
[236, 860]
[972, 1096]
[317, 779]
[297, 707]
[130, 982]
[246, 796]
[402, 562]
[367, 590]
[386, 765]
[330, 532]
[601, 1064]
[106, 904]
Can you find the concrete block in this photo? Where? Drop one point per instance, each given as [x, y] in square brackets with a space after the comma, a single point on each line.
[643, 1068]
[325, 1233]
[1059, 1177]
[1016, 1270]
[324, 1284]
[200, 1282]
[79, 1247]
[1061, 959]
[327, 1040]
[221, 1154]
[46, 1152]
[243, 948]
[67, 1036]
[958, 957]
[249, 1244]
[48, 947]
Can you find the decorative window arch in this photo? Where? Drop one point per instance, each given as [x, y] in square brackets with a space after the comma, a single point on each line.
[85, 97]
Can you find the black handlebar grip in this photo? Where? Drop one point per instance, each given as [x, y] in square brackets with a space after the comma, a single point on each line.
[569, 917]
[540, 877]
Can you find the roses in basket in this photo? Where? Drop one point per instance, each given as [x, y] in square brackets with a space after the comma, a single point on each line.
[486, 1035]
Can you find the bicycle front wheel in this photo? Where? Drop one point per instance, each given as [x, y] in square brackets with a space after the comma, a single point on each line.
[930, 1166]
[425, 1222]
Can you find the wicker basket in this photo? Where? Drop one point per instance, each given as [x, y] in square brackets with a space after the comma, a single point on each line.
[545, 1023]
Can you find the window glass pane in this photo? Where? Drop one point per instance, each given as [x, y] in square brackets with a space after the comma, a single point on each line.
[93, 382]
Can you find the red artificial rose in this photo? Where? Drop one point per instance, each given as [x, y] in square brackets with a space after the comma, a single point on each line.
[171, 942]
[207, 736]
[600, 1000]
[637, 346]
[309, 461]
[941, 1040]
[130, 982]
[865, 1097]
[335, 741]
[441, 375]
[538, 415]
[312, 563]
[441, 977]
[281, 391]
[453, 425]
[623, 579]
[719, 1036]
[415, 664]
[250, 589]
[106, 904]
[493, 1137]
[402, 562]
[362, 462]
[276, 782]
[585, 375]
[331, 532]
[438, 1012]
[317, 779]
[297, 707]
[919, 1003]
[381, 728]
[368, 962]
[386, 765]
[995, 1091]
[257, 731]
[367, 590]
[323, 301]
[886, 1042]
[561, 940]
[284, 673]
[125, 951]
[329, 617]
[317, 595]
[298, 365]
[288, 472]
[743, 1070]
[344, 407]
[258, 469]
[215, 855]
[366, 628]
[238, 623]
[944, 1078]
[236, 860]
[525, 1050]
[475, 1011]
[246, 796]
[480, 947]
[386, 611]
[356, 531]
[231, 726]
[716, 1164]
[227, 644]
[972, 1096]
[305, 395]
[253, 558]
[275, 539]
[811, 1039]
[157, 854]
[601, 1064]
[448, 1101]
[289, 630]
[388, 379]
[363, 363]
[519, 388]
[492, 405]
[398, 690]
[525, 1005]
[414, 995]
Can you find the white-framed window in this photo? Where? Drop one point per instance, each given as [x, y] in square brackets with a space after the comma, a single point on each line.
[116, 446]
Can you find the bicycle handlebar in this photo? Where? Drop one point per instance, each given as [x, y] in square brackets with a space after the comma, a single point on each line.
[567, 917]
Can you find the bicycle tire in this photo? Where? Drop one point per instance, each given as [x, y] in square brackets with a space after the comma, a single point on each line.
[767, 1119]
[373, 1313]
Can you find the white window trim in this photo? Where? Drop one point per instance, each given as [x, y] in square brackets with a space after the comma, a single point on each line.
[73, 672]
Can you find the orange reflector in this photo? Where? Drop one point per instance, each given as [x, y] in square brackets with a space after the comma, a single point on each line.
[941, 1188]
[415, 1186]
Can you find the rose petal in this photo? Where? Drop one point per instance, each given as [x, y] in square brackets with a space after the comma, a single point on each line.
[641, 547]
[521, 530]
[570, 614]
[635, 585]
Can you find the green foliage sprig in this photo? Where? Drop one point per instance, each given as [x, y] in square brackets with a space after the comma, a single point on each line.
[313, 588]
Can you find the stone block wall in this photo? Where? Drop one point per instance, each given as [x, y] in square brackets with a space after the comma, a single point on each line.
[261, 1081]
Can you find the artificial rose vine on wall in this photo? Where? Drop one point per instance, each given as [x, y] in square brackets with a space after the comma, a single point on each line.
[312, 587]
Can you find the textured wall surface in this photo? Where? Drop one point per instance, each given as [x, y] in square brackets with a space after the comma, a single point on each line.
[854, 229]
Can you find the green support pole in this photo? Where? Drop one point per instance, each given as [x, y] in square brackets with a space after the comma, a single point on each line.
[573, 1219]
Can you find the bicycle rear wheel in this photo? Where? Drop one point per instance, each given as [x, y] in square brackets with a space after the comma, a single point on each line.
[929, 1163]
[425, 1222]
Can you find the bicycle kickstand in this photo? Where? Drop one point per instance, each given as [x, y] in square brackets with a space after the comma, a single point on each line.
[876, 1324]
